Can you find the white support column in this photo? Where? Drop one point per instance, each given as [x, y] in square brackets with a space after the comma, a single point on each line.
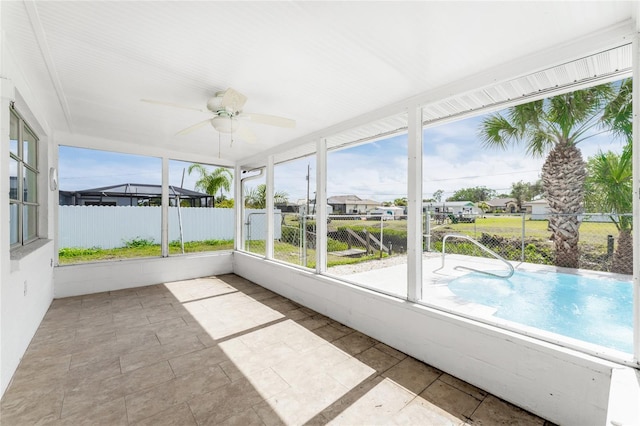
[321, 206]
[636, 198]
[414, 205]
[165, 208]
[269, 206]
[238, 203]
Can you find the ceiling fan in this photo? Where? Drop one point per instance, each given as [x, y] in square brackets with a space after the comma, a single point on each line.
[228, 116]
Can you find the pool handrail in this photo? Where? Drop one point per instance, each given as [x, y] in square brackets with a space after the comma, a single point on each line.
[482, 247]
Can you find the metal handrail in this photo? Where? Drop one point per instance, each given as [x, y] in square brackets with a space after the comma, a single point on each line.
[481, 246]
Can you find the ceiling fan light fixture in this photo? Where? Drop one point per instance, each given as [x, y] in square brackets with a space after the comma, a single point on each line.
[225, 124]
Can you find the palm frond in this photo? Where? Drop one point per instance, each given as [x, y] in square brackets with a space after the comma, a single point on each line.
[497, 132]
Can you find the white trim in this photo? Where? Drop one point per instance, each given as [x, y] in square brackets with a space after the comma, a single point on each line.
[270, 216]
[38, 31]
[636, 199]
[321, 206]
[164, 230]
[414, 209]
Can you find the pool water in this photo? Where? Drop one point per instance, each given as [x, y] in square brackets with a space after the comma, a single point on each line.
[595, 310]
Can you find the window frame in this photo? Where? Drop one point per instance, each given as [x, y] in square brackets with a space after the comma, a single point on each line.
[23, 166]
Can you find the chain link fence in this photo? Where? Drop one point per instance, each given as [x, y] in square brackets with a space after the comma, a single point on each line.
[602, 242]
[598, 242]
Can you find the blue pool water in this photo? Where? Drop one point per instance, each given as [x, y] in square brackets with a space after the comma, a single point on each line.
[595, 310]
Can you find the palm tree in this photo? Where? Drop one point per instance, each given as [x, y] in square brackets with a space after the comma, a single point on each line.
[610, 176]
[555, 126]
[211, 182]
[256, 198]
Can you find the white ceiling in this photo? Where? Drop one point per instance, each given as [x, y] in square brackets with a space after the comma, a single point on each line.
[319, 63]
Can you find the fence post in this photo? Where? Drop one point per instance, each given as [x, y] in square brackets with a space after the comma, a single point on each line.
[523, 234]
[381, 228]
[366, 238]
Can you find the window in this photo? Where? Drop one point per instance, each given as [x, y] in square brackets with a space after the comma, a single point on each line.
[23, 182]
[109, 206]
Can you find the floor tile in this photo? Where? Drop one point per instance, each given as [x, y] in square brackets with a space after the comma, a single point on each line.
[226, 401]
[451, 400]
[355, 343]
[223, 350]
[463, 386]
[412, 374]
[177, 415]
[111, 413]
[246, 418]
[182, 389]
[494, 411]
[377, 359]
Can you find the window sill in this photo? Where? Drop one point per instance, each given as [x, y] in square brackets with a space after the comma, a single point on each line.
[19, 253]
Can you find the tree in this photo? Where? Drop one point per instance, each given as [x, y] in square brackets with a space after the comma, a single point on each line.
[554, 127]
[475, 194]
[610, 177]
[437, 196]
[525, 191]
[256, 198]
[211, 182]
[400, 202]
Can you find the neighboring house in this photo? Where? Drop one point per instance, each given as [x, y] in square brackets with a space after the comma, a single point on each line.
[132, 194]
[389, 213]
[503, 205]
[539, 209]
[452, 207]
[351, 204]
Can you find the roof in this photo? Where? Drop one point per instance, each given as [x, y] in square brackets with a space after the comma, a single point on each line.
[501, 202]
[138, 190]
[449, 203]
[339, 76]
[351, 199]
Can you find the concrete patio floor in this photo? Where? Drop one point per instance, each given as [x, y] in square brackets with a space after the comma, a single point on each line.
[223, 350]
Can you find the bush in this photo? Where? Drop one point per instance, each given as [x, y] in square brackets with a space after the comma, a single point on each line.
[335, 245]
[139, 242]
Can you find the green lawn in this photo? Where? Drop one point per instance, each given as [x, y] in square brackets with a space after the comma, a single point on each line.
[593, 237]
[80, 255]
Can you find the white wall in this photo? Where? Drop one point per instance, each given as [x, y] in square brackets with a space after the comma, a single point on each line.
[22, 311]
[73, 280]
[560, 385]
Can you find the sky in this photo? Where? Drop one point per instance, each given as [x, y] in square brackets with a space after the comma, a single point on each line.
[453, 159]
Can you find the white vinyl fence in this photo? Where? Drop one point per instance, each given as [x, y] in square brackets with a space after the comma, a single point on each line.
[112, 226]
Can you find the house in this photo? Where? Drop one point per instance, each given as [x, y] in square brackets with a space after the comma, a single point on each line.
[539, 209]
[172, 81]
[452, 207]
[503, 205]
[351, 204]
[132, 194]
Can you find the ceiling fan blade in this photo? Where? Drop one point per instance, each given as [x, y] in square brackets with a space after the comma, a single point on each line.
[192, 128]
[233, 99]
[245, 134]
[271, 120]
[171, 104]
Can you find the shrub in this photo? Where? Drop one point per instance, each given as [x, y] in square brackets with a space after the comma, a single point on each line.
[139, 242]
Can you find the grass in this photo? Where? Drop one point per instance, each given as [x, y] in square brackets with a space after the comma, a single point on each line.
[511, 227]
[137, 248]
[593, 236]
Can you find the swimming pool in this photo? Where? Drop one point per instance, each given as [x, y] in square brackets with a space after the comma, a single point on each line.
[591, 309]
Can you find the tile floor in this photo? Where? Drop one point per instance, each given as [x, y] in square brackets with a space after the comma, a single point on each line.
[223, 350]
